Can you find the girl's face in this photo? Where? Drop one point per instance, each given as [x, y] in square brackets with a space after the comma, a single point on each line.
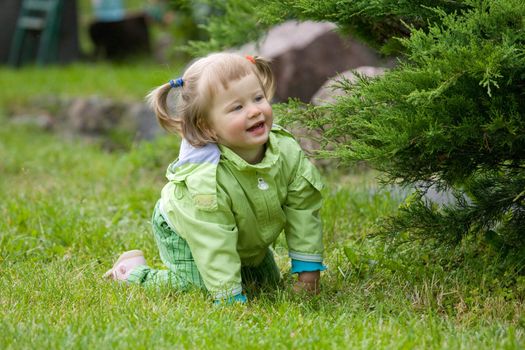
[242, 118]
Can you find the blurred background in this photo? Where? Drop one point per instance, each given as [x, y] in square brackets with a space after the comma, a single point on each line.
[76, 30]
[83, 67]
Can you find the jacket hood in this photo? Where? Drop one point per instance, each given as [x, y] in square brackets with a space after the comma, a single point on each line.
[197, 168]
[191, 158]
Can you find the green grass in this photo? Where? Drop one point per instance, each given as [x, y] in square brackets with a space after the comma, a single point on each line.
[122, 82]
[68, 208]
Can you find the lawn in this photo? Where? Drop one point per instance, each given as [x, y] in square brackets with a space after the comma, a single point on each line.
[68, 208]
[119, 81]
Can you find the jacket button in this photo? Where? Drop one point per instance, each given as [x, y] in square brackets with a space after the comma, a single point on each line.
[262, 184]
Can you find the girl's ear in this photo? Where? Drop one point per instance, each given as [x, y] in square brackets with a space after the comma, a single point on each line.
[212, 133]
[207, 129]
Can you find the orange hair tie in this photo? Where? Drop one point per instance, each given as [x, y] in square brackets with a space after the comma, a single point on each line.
[250, 58]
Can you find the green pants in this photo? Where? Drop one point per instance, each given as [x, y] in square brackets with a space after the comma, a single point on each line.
[182, 273]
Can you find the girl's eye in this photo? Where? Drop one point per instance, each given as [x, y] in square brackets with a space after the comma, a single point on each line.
[237, 108]
[259, 98]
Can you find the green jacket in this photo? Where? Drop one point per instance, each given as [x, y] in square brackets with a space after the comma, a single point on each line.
[230, 211]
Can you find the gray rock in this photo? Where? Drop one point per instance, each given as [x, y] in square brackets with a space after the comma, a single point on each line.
[115, 124]
[328, 91]
[326, 94]
[42, 121]
[93, 115]
[143, 121]
[432, 195]
[306, 54]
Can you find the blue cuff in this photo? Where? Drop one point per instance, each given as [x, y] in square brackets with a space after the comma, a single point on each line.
[238, 298]
[306, 266]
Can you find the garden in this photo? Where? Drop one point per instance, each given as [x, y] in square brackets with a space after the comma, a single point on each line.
[404, 271]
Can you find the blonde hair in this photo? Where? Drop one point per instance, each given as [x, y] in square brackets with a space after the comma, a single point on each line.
[202, 80]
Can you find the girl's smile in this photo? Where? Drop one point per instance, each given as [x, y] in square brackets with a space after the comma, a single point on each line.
[257, 129]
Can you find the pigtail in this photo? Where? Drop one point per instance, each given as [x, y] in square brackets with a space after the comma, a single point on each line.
[264, 69]
[158, 101]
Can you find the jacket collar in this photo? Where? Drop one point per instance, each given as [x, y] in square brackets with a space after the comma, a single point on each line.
[197, 168]
[271, 156]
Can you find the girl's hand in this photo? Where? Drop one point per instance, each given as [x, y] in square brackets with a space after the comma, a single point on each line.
[309, 282]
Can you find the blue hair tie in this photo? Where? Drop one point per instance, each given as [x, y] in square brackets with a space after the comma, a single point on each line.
[177, 83]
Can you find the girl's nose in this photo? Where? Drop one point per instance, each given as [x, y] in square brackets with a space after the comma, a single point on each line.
[253, 111]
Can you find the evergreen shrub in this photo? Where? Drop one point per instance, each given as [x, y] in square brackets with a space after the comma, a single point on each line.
[449, 116]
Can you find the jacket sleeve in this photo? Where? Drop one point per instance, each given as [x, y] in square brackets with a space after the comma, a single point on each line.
[303, 228]
[212, 238]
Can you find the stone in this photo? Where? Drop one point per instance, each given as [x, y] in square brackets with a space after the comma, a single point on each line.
[305, 54]
[144, 121]
[116, 124]
[97, 116]
[325, 95]
[93, 115]
[41, 121]
[328, 92]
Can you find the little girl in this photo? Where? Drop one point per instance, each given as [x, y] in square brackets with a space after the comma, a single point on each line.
[238, 183]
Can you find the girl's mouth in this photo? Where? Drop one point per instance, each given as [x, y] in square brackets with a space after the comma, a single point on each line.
[256, 127]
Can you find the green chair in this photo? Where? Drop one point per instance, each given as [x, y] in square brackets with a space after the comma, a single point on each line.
[37, 32]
